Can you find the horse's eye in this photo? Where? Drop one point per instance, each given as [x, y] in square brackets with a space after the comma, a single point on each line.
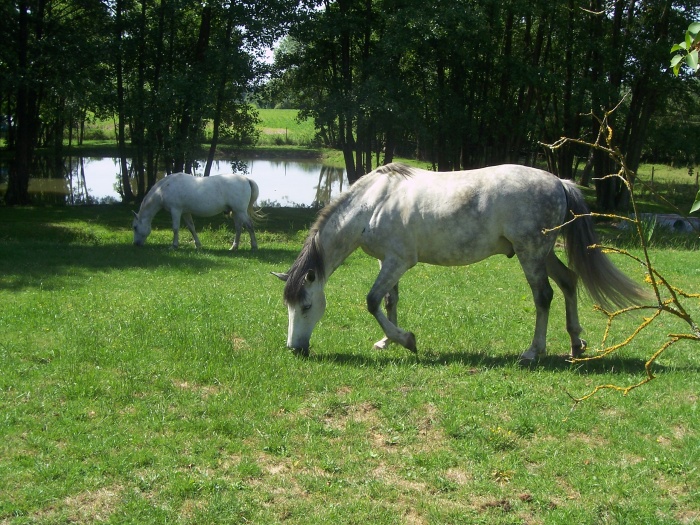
[305, 307]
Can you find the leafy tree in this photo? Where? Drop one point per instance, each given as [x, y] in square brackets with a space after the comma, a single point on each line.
[467, 83]
[687, 52]
[49, 76]
[163, 68]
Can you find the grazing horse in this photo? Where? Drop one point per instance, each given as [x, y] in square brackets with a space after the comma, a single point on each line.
[403, 216]
[184, 195]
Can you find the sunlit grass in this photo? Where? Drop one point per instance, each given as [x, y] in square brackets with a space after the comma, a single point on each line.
[152, 385]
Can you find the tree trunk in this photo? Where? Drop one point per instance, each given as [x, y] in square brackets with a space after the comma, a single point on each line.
[128, 195]
[18, 182]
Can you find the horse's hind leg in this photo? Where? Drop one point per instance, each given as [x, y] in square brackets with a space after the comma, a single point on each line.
[244, 219]
[249, 226]
[190, 226]
[566, 280]
[542, 293]
[237, 238]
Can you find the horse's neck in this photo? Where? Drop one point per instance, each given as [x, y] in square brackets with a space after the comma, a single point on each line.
[151, 205]
[340, 236]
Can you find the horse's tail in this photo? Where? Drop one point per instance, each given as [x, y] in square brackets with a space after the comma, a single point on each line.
[606, 284]
[254, 212]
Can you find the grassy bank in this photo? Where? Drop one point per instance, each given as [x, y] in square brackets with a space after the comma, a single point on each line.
[152, 386]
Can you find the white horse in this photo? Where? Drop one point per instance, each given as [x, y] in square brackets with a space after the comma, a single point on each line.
[184, 195]
[402, 216]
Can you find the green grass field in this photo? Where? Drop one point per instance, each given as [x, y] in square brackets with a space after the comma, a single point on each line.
[154, 386]
[279, 127]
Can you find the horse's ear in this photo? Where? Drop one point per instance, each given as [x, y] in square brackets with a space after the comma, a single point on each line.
[281, 276]
[310, 276]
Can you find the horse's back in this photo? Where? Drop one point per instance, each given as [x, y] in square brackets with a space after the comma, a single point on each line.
[464, 216]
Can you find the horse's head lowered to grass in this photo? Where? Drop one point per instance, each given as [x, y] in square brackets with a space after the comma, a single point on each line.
[304, 295]
[141, 228]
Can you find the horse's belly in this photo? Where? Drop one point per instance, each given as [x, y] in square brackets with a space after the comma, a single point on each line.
[460, 252]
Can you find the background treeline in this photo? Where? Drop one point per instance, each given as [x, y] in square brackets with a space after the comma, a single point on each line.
[458, 83]
[162, 69]
[468, 83]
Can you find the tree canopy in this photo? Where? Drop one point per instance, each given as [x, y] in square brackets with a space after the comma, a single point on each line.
[458, 83]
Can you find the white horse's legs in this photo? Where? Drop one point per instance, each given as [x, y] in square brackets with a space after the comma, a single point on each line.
[542, 293]
[249, 226]
[386, 286]
[237, 238]
[176, 228]
[245, 221]
[190, 226]
[566, 280]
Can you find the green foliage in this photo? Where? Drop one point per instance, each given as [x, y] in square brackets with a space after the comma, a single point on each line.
[687, 51]
[151, 386]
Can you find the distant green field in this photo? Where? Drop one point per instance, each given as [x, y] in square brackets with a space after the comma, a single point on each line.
[153, 386]
[280, 127]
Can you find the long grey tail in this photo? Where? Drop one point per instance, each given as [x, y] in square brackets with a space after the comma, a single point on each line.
[606, 284]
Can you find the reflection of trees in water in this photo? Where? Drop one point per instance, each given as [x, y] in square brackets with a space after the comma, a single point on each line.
[63, 181]
[77, 190]
[326, 179]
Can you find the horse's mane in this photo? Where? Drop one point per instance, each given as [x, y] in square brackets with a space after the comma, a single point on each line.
[311, 255]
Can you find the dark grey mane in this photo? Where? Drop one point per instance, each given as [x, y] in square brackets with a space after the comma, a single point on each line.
[395, 168]
[310, 258]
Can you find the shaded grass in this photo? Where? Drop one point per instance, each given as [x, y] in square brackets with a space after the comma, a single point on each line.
[153, 385]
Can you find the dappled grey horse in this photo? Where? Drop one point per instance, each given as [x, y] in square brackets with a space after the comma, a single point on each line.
[403, 216]
[184, 195]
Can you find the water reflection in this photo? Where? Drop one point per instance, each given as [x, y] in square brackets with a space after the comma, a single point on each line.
[96, 180]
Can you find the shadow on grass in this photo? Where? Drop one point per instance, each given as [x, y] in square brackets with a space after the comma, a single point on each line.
[478, 361]
[43, 263]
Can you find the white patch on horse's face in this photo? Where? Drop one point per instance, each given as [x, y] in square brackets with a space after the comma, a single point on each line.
[141, 231]
[304, 315]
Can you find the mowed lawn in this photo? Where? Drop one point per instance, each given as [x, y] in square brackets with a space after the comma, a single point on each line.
[153, 386]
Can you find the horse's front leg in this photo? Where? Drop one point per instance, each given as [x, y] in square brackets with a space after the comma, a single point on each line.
[391, 301]
[190, 226]
[386, 287]
[176, 228]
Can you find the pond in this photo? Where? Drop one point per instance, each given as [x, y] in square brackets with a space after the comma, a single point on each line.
[95, 180]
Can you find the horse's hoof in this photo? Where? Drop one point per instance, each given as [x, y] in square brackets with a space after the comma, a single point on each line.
[527, 362]
[303, 352]
[411, 343]
[578, 350]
